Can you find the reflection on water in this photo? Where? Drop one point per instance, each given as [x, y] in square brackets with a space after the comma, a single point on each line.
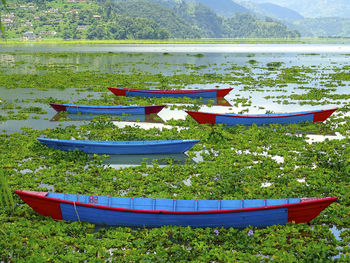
[216, 101]
[120, 161]
[151, 118]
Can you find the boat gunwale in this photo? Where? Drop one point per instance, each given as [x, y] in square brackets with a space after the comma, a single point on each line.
[106, 106]
[308, 201]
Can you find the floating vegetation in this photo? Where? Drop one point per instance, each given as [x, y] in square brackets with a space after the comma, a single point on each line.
[275, 161]
[273, 65]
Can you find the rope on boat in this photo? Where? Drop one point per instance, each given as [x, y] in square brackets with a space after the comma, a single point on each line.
[76, 211]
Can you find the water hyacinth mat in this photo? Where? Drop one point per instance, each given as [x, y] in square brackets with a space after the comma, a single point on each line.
[228, 163]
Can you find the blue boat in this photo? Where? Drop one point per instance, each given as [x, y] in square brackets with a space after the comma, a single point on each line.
[156, 93]
[152, 212]
[102, 109]
[121, 147]
[261, 119]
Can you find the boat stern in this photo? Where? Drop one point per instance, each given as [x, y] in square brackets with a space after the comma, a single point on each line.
[58, 107]
[117, 92]
[308, 209]
[202, 117]
[323, 115]
[223, 92]
[153, 109]
[41, 204]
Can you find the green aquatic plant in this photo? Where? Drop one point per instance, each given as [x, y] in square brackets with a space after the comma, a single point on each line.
[274, 161]
[6, 199]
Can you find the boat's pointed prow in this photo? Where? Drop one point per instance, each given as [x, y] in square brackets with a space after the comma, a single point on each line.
[117, 92]
[58, 107]
[153, 109]
[41, 204]
[311, 208]
[322, 115]
[202, 117]
[223, 92]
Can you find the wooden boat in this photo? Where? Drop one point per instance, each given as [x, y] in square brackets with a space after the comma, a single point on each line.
[100, 109]
[151, 212]
[200, 93]
[121, 147]
[261, 119]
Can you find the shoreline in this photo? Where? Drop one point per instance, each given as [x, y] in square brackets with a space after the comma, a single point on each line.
[183, 41]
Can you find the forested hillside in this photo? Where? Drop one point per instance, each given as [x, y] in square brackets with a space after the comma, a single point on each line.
[131, 19]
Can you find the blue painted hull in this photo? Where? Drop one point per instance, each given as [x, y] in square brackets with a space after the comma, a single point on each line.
[121, 147]
[87, 117]
[231, 120]
[102, 110]
[211, 94]
[260, 218]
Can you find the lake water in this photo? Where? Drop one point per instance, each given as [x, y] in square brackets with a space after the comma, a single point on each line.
[167, 59]
[181, 48]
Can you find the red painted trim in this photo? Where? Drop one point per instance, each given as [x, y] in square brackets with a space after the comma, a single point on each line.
[202, 117]
[264, 117]
[41, 204]
[153, 109]
[58, 107]
[223, 92]
[308, 210]
[118, 92]
[323, 115]
[296, 206]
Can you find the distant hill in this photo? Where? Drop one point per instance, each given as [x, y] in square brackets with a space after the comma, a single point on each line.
[279, 12]
[312, 8]
[334, 26]
[220, 7]
[323, 27]
[224, 7]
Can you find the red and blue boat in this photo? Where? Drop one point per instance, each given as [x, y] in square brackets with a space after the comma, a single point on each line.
[261, 119]
[200, 93]
[121, 147]
[101, 109]
[152, 212]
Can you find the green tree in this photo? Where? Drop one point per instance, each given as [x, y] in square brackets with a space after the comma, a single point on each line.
[2, 30]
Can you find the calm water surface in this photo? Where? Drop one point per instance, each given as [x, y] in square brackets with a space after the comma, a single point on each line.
[166, 59]
[181, 48]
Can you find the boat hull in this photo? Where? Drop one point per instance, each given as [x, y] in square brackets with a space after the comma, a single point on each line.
[121, 147]
[100, 210]
[204, 93]
[97, 109]
[262, 119]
